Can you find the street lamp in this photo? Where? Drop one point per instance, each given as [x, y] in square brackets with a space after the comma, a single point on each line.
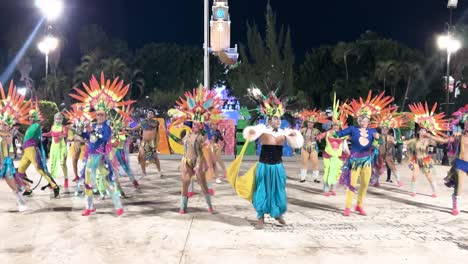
[451, 45]
[47, 45]
[51, 9]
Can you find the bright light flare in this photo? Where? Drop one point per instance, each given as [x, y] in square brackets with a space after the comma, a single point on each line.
[52, 9]
[48, 44]
[448, 43]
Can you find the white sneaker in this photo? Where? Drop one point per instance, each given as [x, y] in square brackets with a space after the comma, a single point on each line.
[22, 208]
[218, 180]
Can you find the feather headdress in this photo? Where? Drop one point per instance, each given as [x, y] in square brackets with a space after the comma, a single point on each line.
[427, 119]
[13, 108]
[461, 116]
[102, 96]
[200, 106]
[268, 106]
[389, 118]
[313, 116]
[368, 108]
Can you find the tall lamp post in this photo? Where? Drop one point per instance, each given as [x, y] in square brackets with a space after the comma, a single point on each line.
[451, 45]
[51, 9]
[47, 45]
[206, 57]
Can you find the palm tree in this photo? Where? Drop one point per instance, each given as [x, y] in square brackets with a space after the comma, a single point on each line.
[384, 70]
[90, 65]
[136, 81]
[114, 67]
[341, 52]
[57, 87]
[412, 72]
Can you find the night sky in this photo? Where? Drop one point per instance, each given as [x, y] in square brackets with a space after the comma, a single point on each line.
[313, 22]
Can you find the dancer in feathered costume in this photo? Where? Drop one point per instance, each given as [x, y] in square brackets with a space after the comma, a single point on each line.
[387, 120]
[198, 107]
[148, 150]
[119, 156]
[336, 150]
[34, 151]
[459, 149]
[428, 131]
[310, 149]
[13, 110]
[269, 193]
[58, 149]
[101, 97]
[78, 120]
[359, 164]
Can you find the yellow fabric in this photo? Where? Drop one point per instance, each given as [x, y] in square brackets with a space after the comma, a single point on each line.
[365, 174]
[29, 156]
[243, 185]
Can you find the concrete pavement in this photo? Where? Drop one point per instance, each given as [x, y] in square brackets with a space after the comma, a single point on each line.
[398, 229]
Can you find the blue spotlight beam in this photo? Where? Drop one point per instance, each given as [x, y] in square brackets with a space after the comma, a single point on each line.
[6, 75]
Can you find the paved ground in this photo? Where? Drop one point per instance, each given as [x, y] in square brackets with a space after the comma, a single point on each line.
[399, 228]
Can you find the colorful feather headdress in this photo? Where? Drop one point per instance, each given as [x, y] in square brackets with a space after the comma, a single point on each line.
[338, 117]
[313, 116]
[120, 118]
[434, 123]
[13, 108]
[270, 105]
[34, 112]
[77, 116]
[372, 106]
[103, 96]
[200, 106]
[461, 116]
[389, 118]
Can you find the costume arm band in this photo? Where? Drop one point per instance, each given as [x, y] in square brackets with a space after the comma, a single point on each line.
[259, 130]
[295, 141]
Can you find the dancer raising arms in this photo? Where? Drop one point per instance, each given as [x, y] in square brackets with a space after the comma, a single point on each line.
[199, 107]
[362, 138]
[101, 97]
[429, 127]
[336, 150]
[269, 193]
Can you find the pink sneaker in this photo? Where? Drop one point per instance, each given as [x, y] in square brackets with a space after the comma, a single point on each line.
[181, 211]
[347, 212]
[119, 212]
[211, 210]
[333, 193]
[327, 194]
[413, 194]
[88, 212]
[360, 210]
[190, 194]
[455, 212]
[400, 184]
[211, 191]
[434, 195]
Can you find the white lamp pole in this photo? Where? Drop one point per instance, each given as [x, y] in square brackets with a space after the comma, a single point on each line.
[47, 45]
[206, 56]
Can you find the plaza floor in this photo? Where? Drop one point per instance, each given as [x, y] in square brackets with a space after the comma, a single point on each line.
[398, 229]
